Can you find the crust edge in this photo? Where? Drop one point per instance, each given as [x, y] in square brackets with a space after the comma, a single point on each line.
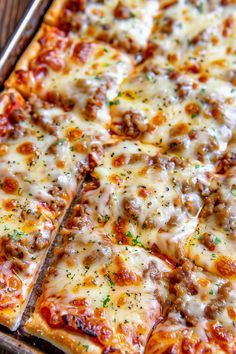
[60, 338]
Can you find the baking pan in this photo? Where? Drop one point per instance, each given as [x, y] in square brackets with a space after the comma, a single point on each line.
[19, 342]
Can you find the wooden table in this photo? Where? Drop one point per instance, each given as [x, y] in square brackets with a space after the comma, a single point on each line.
[11, 12]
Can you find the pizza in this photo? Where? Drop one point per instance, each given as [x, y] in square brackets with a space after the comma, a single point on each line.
[201, 317]
[124, 24]
[196, 36]
[44, 156]
[212, 245]
[133, 104]
[145, 197]
[75, 74]
[176, 111]
[110, 293]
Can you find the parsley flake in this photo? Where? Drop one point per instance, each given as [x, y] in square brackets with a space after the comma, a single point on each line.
[17, 235]
[106, 301]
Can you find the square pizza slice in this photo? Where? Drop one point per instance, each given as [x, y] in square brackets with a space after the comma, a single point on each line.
[201, 318]
[99, 297]
[198, 36]
[35, 163]
[27, 228]
[179, 112]
[142, 197]
[125, 24]
[72, 73]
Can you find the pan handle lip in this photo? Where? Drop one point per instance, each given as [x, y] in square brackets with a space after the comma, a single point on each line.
[21, 37]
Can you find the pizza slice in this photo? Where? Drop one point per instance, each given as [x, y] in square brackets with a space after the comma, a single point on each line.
[78, 142]
[34, 196]
[43, 158]
[212, 246]
[142, 197]
[75, 74]
[175, 111]
[201, 318]
[99, 297]
[126, 24]
[39, 165]
[198, 36]
[27, 228]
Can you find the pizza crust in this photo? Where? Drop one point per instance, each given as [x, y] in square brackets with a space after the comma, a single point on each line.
[63, 340]
[23, 64]
[53, 13]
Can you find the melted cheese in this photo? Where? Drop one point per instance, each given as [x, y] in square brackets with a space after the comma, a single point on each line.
[213, 244]
[99, 20]
[202, 304]
[200, 36]
[37, 172]
[74, 73]
[118, 283]
[23, 221]
[148, 197]
[55, 160]
[176, 113]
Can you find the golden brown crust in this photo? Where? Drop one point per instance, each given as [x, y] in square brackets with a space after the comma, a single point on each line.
[69, 343]
[10, 319]
[22, 64]
[53, 13]
[9, 92]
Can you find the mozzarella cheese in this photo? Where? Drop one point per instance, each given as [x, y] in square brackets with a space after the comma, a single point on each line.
[176, 112]
[145, 198]
[202, 314]
[197, 36]
[42, 161]
[126, 24]
[112, 292]
[212, 246]
[72, 73]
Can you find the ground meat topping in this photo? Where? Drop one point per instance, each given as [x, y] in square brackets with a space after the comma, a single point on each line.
[82, 51]
[166, 26]
[132, 207]
[133, 124]
[76, 5]
[95, 103]
[122, 12]
[217, 305]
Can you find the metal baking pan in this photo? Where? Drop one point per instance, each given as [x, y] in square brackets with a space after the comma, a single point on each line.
[19, 342]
